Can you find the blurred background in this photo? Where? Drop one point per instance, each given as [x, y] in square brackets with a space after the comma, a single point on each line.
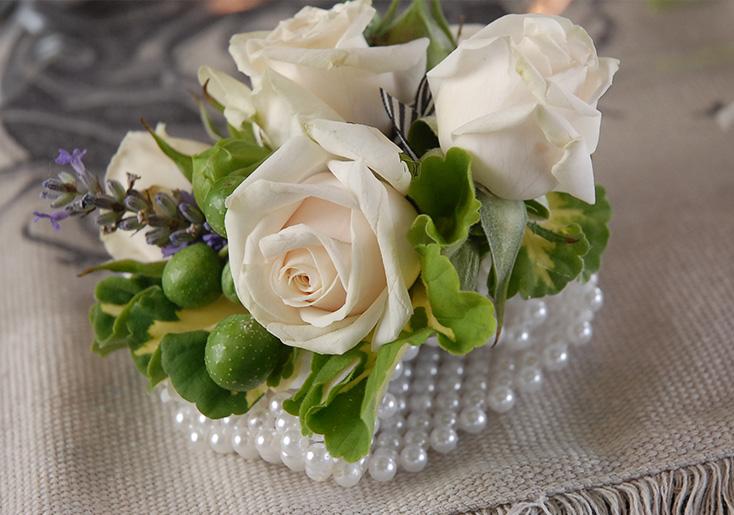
[80, 73]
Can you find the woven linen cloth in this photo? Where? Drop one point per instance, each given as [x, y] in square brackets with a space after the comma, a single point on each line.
[653, 393]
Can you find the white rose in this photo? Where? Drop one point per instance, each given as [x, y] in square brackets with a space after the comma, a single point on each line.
[318, 242]
[520, 95]
[325, 52]
[278, 108]
[139, 154]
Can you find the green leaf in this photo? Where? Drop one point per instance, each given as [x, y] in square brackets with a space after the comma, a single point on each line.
[120, 290]
[464, 320]
[182, 359]
[154, 371]
[183, 161]
[466, 262]
[423, 136]
[567, 245]
[443, 191]
[503, 222]
[227, 157]
[153, 269]
[422, 18]
[347, 420]
[332, 376]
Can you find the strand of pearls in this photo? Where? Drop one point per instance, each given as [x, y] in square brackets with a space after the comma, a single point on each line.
[431, 399]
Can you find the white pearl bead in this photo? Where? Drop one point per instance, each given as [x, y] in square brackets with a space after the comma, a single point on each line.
[474, 398]
[347, 474]
[165, 393]
[220, 442]
[195, 436]
[417, 437]
[388, 406]
[448, 401]
[285, 421]
[293, 442]
[382, 467]
[259, 419]
[182, 418]
[400, 386]
[244, 444]
[411, 353]
[445, 418]
[504, 364]
[319, 463]
[295, 462]
[388, 439]
[555, 356]
[444, 439]
[580, 333]
[423, 386]
[476, 382]
[397, 371]
[519, 340]
[452, 368]
[595, 299]
[401, 403]
[421, 402]
[396, 422]
[267, 445]
[419, 420]
[529, 379]
[501, 399]
[276, 403]
[407, 371]
[449, 384]
[504, 378]
[413, 458]
[425, 370]
[472, 420]
[538, 312]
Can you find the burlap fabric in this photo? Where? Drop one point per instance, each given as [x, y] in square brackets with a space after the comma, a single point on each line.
[654, 392]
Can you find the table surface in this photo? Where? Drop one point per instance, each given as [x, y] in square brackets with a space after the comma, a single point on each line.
[653, 392]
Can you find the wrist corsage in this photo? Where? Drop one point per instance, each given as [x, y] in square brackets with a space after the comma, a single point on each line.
[378, 182]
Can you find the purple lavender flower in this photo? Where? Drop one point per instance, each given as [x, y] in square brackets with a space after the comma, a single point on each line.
[54, 217]
[215, 241]
[73, 158]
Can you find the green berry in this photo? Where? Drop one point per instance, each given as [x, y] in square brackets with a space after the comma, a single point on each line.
[191, 277]
[228, 285]
[214, 208]
[241, 354]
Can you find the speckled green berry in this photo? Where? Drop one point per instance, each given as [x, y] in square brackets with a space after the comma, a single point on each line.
[214, 208]
[228, 285]
[192, 277]
[241, 354]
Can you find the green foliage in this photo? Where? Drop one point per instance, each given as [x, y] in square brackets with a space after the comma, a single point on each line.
[192, 277]
[503, 223]
[241, 354]
[423, 136]
[567, 245]
[444, 193]
[228, 156]
[153, 269]
[340, 397]
[184, 162]
[422, 19]
[182, 359]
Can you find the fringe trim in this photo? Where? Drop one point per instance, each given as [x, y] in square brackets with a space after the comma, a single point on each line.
[704, 489]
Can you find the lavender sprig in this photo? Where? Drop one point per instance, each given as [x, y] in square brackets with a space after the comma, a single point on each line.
[174, 220]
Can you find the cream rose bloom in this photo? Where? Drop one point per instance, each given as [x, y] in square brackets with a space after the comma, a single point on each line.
[278, 108]
[139, 154]
[520, 95]
[325, 53]
[318, 242]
